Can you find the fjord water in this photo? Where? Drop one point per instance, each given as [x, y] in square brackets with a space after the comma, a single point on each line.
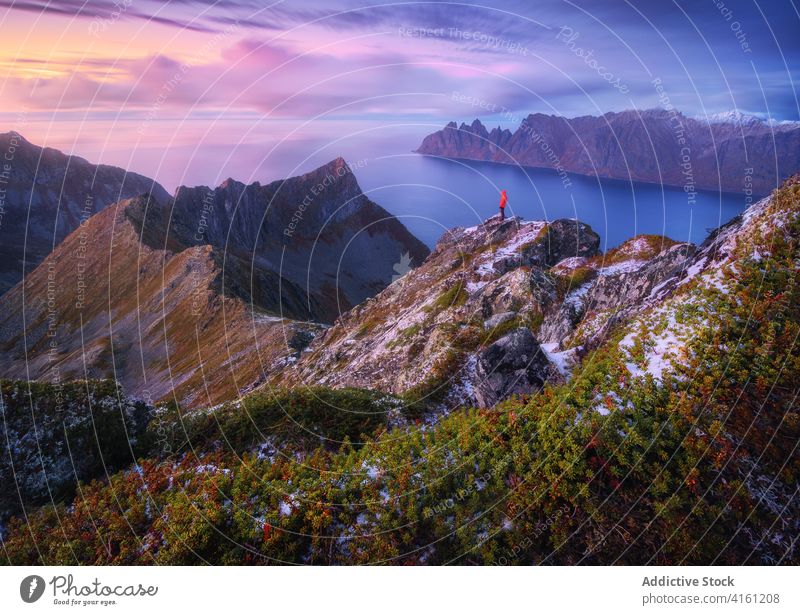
[427, 194]
[430, 194]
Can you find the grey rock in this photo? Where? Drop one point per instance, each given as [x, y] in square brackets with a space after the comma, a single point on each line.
[499, 319]
[627, 289]
[301, 339]
[543, 288]
[559, 323]
[561, 239]
[514, 364]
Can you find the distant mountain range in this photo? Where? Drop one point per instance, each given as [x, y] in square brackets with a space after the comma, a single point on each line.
[200, 295]
[731, 152]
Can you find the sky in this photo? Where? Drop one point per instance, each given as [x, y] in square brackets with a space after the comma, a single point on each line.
[140, 69]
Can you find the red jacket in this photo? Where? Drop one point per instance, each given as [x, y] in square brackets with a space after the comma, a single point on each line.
[503, 199]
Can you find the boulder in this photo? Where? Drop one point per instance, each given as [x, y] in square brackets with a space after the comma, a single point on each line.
[301, 339]
[514, 364]
[562, 239]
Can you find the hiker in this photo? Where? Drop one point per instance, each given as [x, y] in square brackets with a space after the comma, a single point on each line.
[503, 201]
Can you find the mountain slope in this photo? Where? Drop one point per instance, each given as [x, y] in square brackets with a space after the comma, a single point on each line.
[44, 196]
[656, 146]
[674, 442]
[317, 230]
[454, 329]
[157, 321]
[189, 299]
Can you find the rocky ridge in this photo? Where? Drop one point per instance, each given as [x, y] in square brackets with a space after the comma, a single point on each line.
[308, 247]
[156, 320]
[731, 154]
[201, 297]
[497, 309]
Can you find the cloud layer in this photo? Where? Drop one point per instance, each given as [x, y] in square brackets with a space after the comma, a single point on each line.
[347, 59]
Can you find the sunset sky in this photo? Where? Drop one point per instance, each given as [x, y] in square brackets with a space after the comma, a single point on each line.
[153, 65]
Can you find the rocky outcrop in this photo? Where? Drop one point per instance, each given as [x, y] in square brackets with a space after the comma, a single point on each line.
[562, 239]
[496, 310]
[45, 195]
[514, 364]
[734, 154]
[636, 274]
[446, 326]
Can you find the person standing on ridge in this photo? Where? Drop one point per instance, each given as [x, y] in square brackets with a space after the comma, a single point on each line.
[503, 201]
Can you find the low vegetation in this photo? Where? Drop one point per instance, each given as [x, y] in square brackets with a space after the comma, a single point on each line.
[52, 436]
[305, 417]
[455, 296]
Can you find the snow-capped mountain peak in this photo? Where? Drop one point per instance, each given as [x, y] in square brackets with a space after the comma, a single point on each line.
[735, 116]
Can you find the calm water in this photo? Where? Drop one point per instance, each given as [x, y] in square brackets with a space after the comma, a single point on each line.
[428, 194]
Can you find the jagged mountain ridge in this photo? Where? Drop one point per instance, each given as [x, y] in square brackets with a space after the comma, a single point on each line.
[46, 194]
[155, 320]
[435, 330]
[187, 299]
[317, 231]
[656, 146]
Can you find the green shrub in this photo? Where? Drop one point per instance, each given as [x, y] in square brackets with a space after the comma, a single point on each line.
[63, 433]
[455, 296]
[307, 416]
[405, 335]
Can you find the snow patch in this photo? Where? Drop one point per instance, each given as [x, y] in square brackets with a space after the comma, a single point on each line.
[577, 296]
[570, 263]
[563, 360]
[692, 271]
[624, 267]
